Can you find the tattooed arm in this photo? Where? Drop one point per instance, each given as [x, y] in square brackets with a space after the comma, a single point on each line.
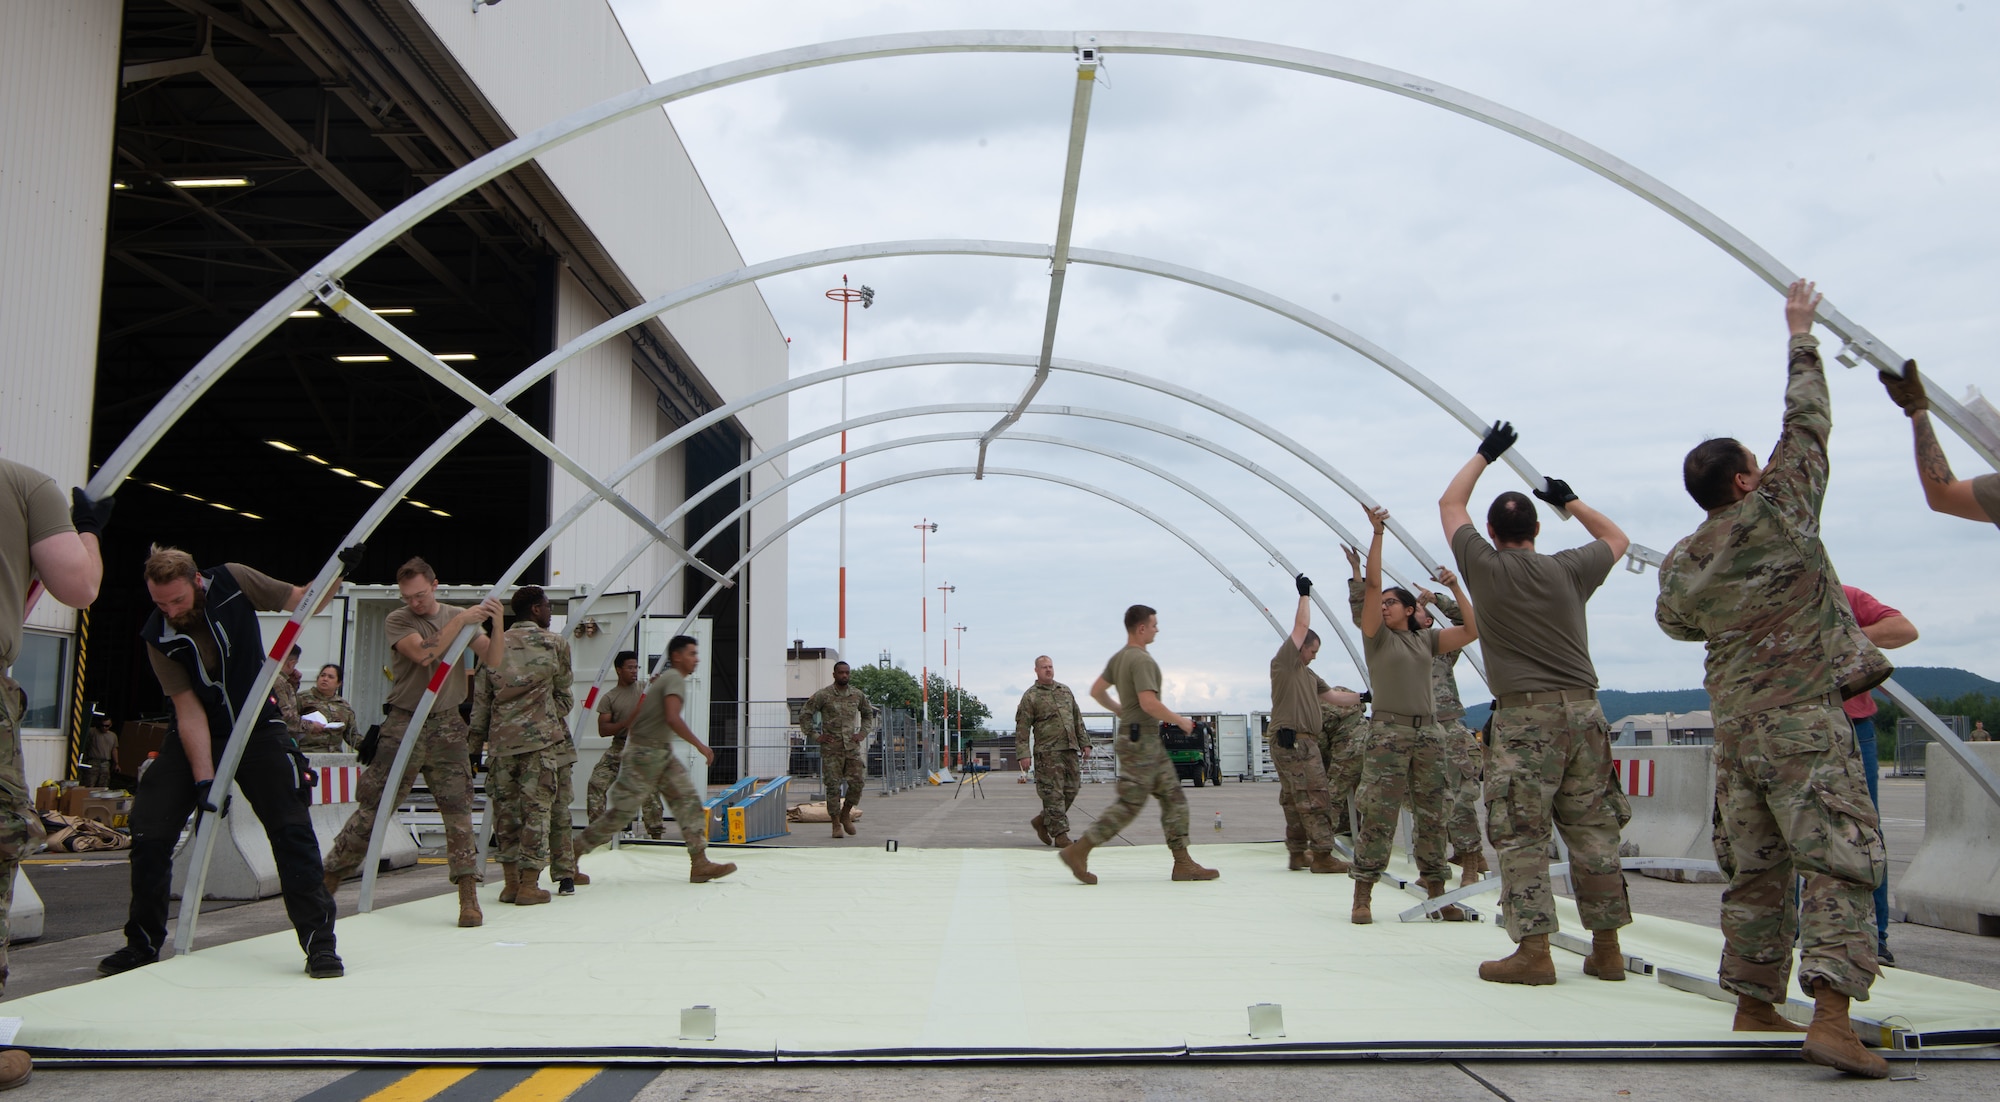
[1945, 493]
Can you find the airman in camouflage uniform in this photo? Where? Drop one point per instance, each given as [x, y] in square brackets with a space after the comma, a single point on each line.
[617, 710]
[521, 701]
[1050, 739]
[324, 697]
[1298, 696]
[649, 766]
[1343, 742]
[840, 718]
[1755, 584]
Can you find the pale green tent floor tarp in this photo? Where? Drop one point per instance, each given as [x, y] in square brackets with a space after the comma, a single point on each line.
[917, 954]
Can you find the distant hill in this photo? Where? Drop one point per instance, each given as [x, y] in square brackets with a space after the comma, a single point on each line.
[1927, 682]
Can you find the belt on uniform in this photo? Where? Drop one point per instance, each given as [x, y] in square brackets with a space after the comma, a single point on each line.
[1550, 696]
[1398, 717]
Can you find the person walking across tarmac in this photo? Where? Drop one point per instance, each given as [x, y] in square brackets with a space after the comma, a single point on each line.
[1297, 694]
[1754, 583]
[840, 717]
[616, 711]
[419, 633]
[1462, 771]
[1144, 769]
[1550, 766]
[1050, 741]
[520, 708]
[649, 766]
[206, 649]
[42, 539]
[1406, 754]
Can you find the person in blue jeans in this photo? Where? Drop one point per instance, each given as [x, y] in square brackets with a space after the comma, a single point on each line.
[1888, 629]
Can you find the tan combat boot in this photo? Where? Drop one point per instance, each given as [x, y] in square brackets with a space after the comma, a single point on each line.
[527, 890]
[578, 878]
[1041, 830]
[833, 818]
[1061, 841]
[1754, 1015]
[15, 1068]
[847, 819]
[1077, 856]
[1606, 960]
[1364, 912]
[701, 870]
[1475, 868]
[468, 903]
[1530, 964]
[513, 883]
[1300, 859]
[1830, 1040]
[332, 882]
[1450, 912]
[1186, 869]
[1327, 862]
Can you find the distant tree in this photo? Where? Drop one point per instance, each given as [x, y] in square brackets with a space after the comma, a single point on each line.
[888, 687]
[1973, 706]
[948, 700]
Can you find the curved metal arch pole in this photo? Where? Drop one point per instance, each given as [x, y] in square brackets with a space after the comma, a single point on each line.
[954, 472]
[646, 602]
[479, 171]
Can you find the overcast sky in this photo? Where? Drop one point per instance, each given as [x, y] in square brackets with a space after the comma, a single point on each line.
[1858, 142]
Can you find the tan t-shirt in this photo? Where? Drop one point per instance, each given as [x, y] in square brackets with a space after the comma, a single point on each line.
[650, 730]
[1531, 621]
[1295, 690]
[31, 510]
[1986, 491]
[1132, 671]
[1399, 670]
[266, 594]
[618, 703]
[410, 680]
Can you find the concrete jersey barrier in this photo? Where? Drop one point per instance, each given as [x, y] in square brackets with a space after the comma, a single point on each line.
[243, 866]
[1953, 882]
[1672, 793]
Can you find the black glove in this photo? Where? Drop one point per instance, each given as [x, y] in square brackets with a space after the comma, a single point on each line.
[203, 802]
[1366, 696]
[86, 515]
[1305, 585]
[350, 557]
[1557, 494]
[1907, 392]
[1498, 439]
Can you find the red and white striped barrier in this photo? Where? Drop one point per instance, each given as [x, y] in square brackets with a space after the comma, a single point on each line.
[338, 784]
[1635, 775]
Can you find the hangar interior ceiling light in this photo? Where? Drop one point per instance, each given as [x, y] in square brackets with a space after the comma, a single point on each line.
[394, 312]
[371, 359]
[343, 472]
[440, 512]
[371, 483]
[211, 181]
[457, 357]
[281, 445]
[317, 459]
[305, 314]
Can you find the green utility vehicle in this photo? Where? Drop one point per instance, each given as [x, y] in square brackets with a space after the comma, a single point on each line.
[1195, 756]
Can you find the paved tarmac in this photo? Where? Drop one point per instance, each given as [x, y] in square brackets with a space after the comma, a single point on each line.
[86, 904]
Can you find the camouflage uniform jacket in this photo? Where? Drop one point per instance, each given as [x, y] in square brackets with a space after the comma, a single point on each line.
[846, 713]
[1444, 678]
[332, 707]
[287, 700]
[1754, 581]
[1338, 723]
[523, 704]
[1048, 715]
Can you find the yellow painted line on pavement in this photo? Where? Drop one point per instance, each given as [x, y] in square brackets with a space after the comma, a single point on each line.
[419, 1085]
[550, 1085]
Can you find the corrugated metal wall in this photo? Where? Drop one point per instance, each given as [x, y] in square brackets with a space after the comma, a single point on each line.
[642, 198]
[58, 89]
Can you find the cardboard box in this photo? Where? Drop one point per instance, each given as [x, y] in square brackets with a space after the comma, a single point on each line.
[139, 738]
[46, 796]
[107, 809]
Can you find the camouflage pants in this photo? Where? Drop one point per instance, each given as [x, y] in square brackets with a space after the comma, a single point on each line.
[1342, 755]
[1463, 775]
[20, 823]
[1790, 802]
[644, 771]
[1551, 771]
[1144, 770]
[1302, 793]
[843, 770]
[530, 808]
[440, 754]
[650, 810]
[1403, 764]
[1058, 777]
